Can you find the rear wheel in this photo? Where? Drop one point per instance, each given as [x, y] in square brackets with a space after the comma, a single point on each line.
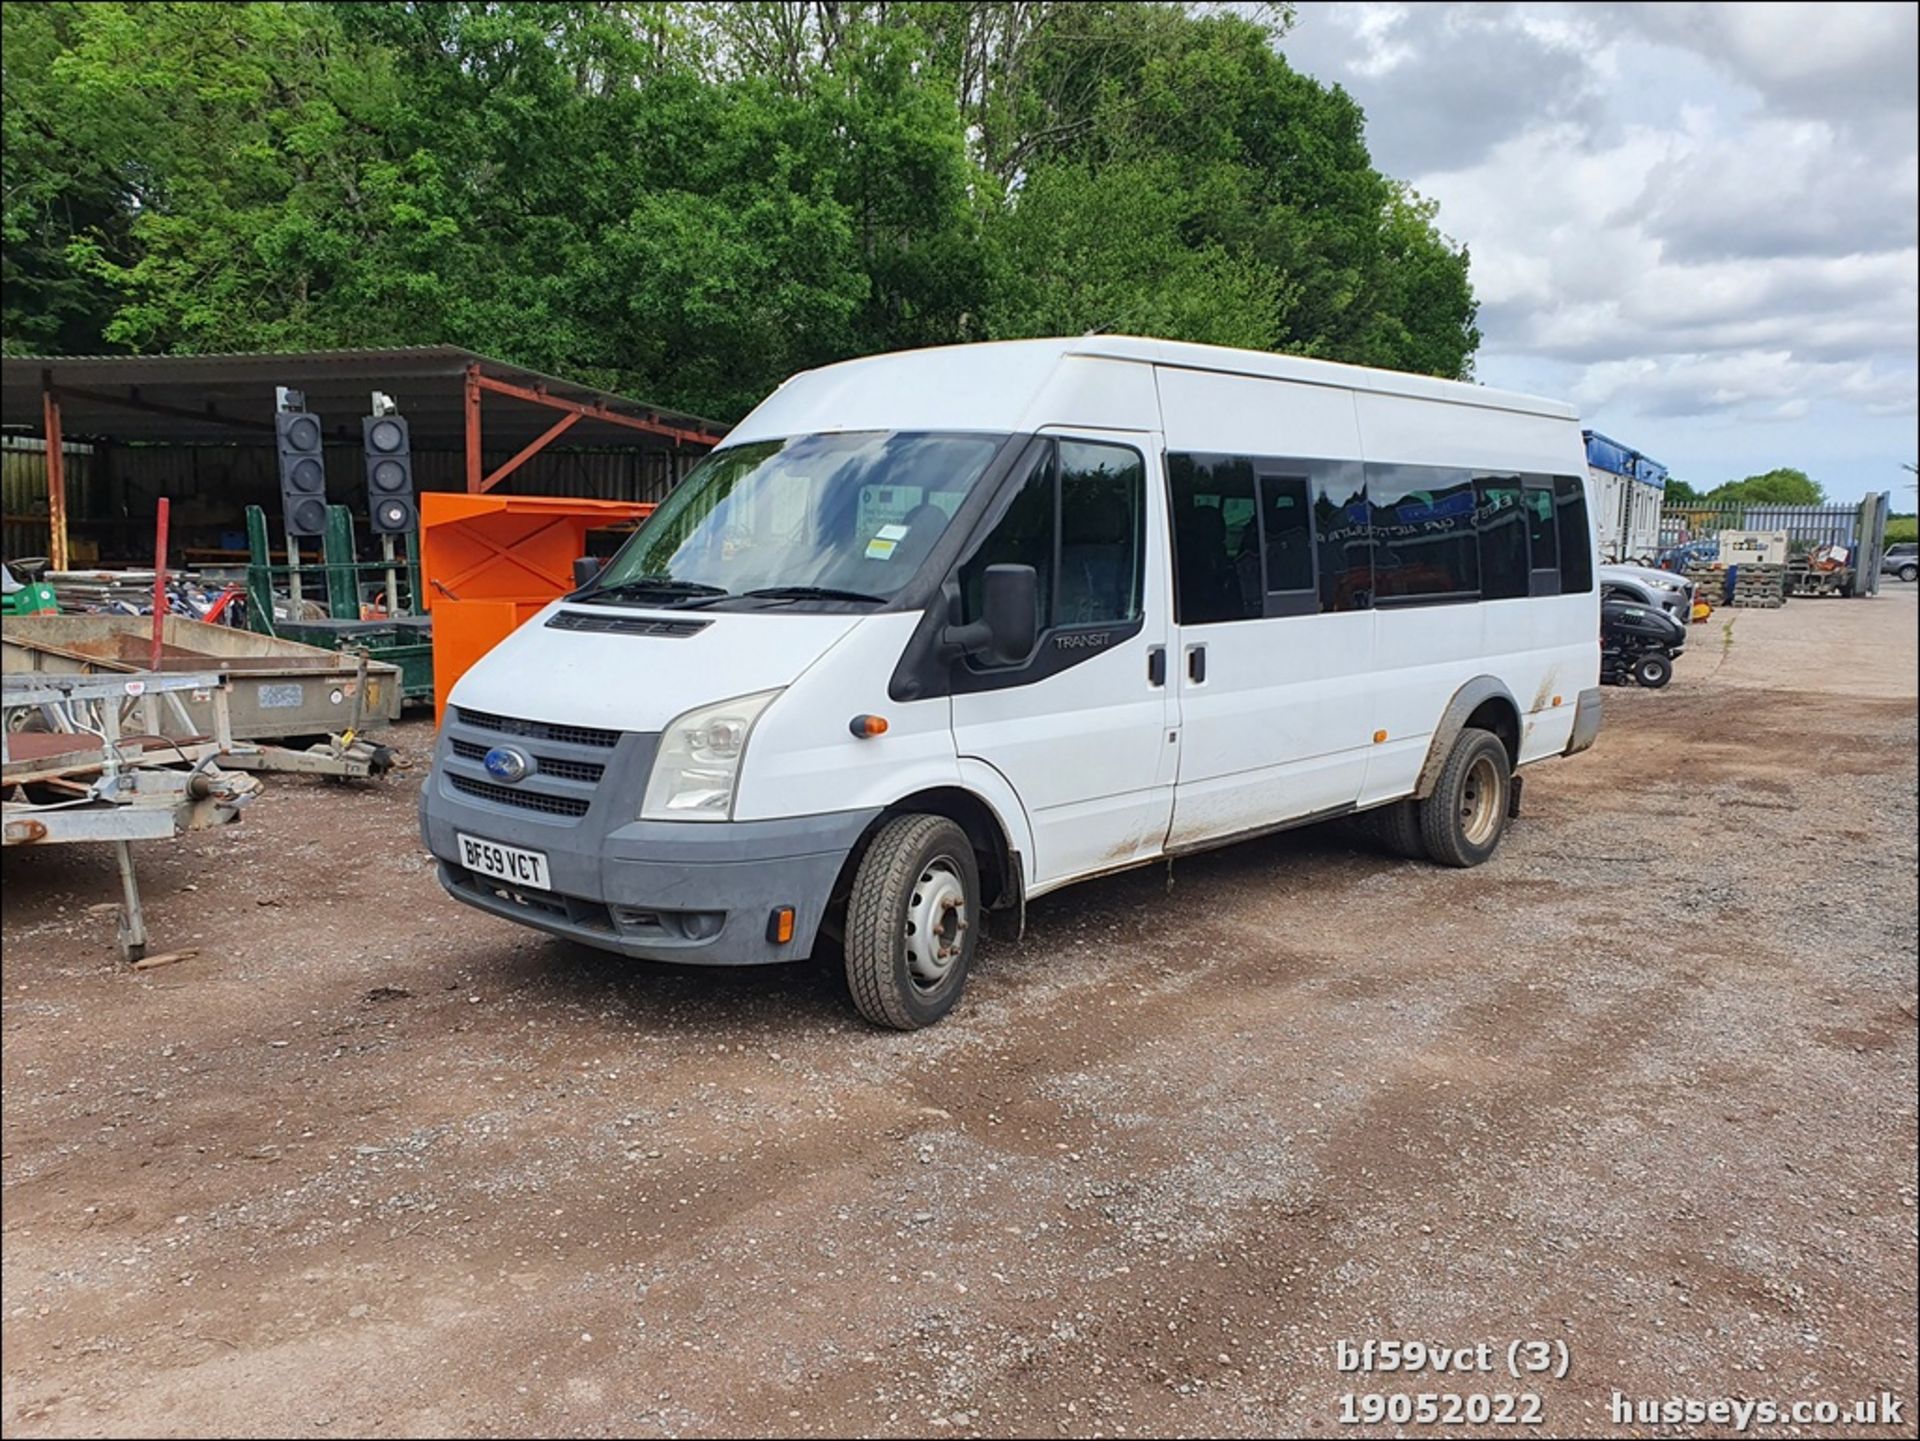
[912, 921]
[1463, 820]
[1652, 671]
[1910, 572]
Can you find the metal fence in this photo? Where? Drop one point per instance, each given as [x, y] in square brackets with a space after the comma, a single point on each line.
[1693, 531]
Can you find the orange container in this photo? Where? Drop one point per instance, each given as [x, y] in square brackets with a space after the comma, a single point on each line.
[489, 562]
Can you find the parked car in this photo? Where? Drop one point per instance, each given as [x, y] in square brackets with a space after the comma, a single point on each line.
[1902, 560]
[1661, 590]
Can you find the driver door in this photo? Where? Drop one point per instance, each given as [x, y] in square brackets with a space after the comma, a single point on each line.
[1085, 728]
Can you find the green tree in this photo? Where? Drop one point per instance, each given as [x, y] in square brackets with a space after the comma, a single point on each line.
[1678, 492]
[1783, 486]
[691, 201]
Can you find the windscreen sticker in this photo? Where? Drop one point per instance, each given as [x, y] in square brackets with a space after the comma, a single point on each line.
[884, 541]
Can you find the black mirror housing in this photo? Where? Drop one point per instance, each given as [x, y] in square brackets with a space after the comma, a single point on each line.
[1010, 623]
[585, 568]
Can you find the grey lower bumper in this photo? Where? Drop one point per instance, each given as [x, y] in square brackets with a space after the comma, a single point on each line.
[1586, 721]
[696, 892]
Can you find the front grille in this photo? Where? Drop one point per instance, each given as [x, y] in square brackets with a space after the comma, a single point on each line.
[524, 800]
[539, 730]
[625, 624]
[544, 765]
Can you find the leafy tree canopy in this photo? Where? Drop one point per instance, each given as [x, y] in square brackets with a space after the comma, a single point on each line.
[1784, 486]
[692, 201]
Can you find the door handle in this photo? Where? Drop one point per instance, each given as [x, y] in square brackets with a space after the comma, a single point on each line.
[1156, 665]
[1197, 664]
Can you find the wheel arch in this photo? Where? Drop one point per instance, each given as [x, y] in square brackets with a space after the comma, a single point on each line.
[1002, 869]
[1483, 703]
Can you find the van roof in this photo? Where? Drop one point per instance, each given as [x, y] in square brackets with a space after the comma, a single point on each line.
[1227, 360]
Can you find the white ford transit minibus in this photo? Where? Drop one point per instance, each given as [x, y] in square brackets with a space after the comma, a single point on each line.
[932, 634]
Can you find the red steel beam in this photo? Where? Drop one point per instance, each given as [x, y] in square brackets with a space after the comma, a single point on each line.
[533, 448]
[56, 477]
[588, 412]
[474, 483]
[159, 583]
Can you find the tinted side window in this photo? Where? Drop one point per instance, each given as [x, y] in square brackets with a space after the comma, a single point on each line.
[1287, 525]
[1425, 541]
[1216, 539]
[1576, 534]
[1023, 536]
[1540, 527]
[1503, 538]
[1102, 533]
[1342, 536]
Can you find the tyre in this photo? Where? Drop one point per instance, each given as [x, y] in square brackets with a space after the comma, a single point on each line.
[1910, 572]
[1463, 820]
[1652, 671]
[1396, 830]
[912, 921]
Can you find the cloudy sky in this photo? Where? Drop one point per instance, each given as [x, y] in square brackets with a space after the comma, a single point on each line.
[1696, 221]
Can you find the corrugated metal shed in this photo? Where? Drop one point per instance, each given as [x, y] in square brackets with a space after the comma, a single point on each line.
[184, 399]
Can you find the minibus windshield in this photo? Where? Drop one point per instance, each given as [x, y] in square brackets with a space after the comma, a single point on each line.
[845, 518]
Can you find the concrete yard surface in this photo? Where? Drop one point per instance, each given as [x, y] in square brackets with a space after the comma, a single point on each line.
[1645, 1084]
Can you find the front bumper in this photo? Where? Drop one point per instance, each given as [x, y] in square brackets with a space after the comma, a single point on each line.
[698, 892]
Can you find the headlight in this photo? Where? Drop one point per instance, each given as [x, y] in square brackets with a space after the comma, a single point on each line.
[698, 762]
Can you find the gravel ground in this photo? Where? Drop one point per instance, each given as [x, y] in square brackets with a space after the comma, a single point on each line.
[373, 1163]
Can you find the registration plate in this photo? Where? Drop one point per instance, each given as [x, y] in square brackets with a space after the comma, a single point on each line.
[506, 863]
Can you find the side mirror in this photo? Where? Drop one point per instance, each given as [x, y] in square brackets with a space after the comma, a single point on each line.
[1010, 620]
[585, 568]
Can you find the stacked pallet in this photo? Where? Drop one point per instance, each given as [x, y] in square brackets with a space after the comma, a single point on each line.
[1755, 586]
[1761, 587]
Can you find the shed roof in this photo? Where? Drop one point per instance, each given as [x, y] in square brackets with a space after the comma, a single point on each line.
[202, 399]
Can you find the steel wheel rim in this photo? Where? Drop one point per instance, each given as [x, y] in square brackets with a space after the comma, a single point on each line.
[1480, 798]
[936, 923]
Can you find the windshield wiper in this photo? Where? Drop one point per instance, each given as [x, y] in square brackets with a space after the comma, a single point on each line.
[653, 585]
[810, 592]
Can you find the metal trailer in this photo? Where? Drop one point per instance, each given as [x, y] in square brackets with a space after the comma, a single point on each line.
[276, 688]
[90, 779]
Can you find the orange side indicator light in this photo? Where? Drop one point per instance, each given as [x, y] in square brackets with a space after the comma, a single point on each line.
[1556, 700]
[780, 925]
[867, 726]
[1379, 737]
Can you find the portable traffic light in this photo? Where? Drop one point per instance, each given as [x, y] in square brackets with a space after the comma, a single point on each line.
[389, 474]
[303, 468]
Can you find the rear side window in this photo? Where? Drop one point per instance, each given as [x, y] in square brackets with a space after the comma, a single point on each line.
[1504, 560]
[1541, 542]
[1343, 538]
[1286, 527]
[1216, 539]
[1425, 544]
[1576, 535]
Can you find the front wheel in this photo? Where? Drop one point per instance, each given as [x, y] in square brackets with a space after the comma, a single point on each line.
[1464, 818]
[1652, 671]
[912, 921]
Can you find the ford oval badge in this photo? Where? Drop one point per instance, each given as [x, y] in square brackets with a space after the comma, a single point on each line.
[504, 763]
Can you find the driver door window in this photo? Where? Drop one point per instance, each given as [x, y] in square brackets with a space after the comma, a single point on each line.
[1079, 519]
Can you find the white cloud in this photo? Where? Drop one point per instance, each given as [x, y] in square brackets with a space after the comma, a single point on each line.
[1687, 217]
